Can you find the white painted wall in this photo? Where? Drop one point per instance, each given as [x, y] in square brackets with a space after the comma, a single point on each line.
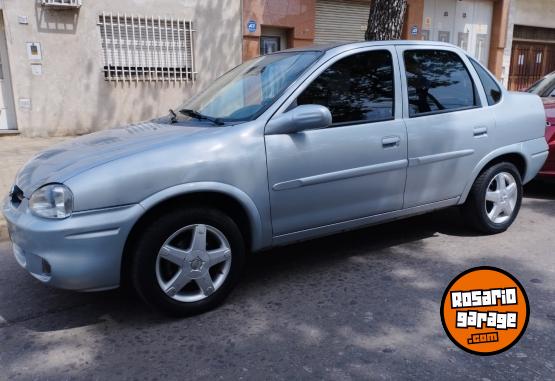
[465, 23]
[72, 97]
[535, 13]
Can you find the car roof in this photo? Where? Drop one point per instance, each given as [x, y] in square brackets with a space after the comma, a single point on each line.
[362, 44]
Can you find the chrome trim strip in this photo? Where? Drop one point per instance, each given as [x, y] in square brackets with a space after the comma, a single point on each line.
[94, 234]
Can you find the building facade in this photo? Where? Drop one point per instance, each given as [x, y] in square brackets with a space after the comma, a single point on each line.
[76, 66]
[515, 39]
[531, 36]
[478, 26]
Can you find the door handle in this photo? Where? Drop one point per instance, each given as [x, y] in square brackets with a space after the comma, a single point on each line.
[391, 141]
[480, 131]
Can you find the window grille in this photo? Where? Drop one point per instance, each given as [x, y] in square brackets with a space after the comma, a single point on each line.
[138, 48]
[61, 3]
[522, 32]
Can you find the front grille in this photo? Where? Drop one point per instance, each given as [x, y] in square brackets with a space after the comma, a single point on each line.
[16, 196]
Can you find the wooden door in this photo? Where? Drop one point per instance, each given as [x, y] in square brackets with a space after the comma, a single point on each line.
[530, 61]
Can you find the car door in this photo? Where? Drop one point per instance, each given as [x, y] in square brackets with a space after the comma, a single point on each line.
[354, 168]
[447, 127]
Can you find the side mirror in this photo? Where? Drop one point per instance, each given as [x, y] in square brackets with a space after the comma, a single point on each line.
[304, 117]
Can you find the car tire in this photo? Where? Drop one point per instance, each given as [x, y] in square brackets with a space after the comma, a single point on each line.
[488, 192]
[167, 240]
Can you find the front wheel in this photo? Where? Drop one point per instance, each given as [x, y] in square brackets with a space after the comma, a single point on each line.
[187, 261]
[494, 200]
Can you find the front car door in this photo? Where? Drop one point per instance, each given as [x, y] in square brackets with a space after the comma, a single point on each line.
[447, 126]
[352, 169]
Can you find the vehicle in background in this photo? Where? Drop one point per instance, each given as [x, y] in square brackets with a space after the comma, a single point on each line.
[545, 88]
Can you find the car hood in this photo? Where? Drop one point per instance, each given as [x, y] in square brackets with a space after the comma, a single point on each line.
[63, 161]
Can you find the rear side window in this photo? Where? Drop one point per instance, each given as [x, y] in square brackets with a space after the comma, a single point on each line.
[438, 81]
[492, 89]
[356, 89]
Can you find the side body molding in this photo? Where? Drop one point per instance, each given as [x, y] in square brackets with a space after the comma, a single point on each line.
[340, 175]
[261, 234]
[423, 160]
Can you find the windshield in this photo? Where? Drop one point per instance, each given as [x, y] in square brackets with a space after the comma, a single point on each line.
[245, 92]
[543, 85]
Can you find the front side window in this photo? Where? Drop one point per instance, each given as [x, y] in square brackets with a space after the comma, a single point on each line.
[492, 89]
[437, 81]
[356, 89]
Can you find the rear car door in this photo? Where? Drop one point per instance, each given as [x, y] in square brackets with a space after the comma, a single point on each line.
[354, 168]
[447, 126]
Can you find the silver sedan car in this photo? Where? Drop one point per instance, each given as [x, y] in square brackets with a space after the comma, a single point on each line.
[286, 147]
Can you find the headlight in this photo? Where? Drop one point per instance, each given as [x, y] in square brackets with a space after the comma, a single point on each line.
[52, 201]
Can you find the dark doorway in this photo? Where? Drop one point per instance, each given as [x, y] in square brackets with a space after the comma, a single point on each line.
[269, 44]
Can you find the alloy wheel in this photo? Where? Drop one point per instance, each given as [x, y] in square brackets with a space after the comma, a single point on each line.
[193, 263]
[501, 197]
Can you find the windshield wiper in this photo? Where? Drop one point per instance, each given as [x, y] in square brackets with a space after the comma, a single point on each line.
[173, 118]
[199, 116]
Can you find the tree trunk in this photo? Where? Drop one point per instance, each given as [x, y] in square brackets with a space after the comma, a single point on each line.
[386, 20]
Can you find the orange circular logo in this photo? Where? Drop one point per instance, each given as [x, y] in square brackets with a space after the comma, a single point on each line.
[485, 310]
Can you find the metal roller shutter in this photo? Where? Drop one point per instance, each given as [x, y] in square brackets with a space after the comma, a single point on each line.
[341, 20]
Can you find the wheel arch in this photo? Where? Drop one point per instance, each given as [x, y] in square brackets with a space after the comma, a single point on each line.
[238, 205]
[512, 155]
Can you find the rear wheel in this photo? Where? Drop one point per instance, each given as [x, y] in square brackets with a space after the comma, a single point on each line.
[187, 262]
[494, 200]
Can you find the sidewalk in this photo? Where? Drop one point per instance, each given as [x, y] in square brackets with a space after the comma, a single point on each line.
[15, 151]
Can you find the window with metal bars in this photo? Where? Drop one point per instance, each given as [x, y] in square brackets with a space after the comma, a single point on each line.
[61, 3]
[138, 48]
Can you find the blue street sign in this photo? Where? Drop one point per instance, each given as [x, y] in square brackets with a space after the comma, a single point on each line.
[414, 30]
[251, 26]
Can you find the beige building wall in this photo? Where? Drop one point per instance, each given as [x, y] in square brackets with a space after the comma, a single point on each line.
[539, 13]
[72, 96]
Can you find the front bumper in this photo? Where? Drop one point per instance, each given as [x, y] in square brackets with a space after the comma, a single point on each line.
[82, 252]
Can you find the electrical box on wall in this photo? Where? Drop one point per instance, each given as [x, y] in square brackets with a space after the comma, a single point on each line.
[36, 69]
[25, 104]
[34, 51]
[61, 4]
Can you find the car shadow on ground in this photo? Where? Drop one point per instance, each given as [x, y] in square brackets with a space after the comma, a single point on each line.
[540, 189]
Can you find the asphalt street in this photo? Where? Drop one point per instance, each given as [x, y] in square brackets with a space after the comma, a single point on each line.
[359, 305]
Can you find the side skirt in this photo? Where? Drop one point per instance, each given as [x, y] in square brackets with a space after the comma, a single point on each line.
[358, 223]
